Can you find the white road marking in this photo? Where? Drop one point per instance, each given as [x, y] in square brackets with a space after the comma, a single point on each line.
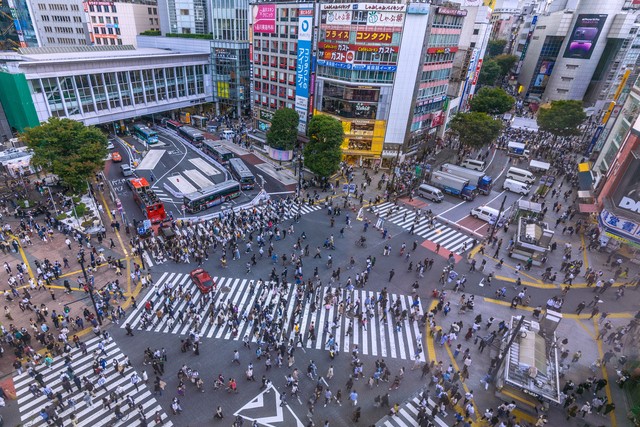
[199, 179]
[151, 159]
[182, 184]
[204, 166]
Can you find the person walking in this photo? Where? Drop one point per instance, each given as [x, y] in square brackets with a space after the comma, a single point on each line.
[391, 274]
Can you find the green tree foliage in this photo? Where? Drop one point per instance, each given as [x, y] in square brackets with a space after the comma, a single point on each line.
[495, 48]
[562, 118]
[68, 149]
[506, 62]
[283, 133]
[489, 73]
[492, 100]
[475, 129]
[322, 154]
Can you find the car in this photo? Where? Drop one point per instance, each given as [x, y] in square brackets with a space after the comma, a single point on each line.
[116, 157]
[126, 170]
[110, 144]
[203, 280]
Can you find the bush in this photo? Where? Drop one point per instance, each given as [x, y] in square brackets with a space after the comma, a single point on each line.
[151, 33]
[22, 204]
[62, 216]
[81, 209]
[191, 36]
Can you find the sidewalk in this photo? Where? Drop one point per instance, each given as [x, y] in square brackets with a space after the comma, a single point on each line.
[581, 334]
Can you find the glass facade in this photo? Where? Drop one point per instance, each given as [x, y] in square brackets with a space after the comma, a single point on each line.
[80, 95]
[544, 66]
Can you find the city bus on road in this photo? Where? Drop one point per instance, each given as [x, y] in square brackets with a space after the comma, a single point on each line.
[219, 152]
[241, 173]
[171, 124]
[208, 197]
[145, 134]
[192, 135]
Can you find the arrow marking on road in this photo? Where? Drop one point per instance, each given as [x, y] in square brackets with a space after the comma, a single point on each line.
[273, 420]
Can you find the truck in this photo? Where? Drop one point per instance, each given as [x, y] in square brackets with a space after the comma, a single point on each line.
[453, 185]
[518, 149]
[480, 179]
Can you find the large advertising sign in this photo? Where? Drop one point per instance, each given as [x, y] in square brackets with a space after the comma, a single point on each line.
[386, 19]
[383, 7]
[343, 47]
[374, 36]
[338, 35]
[627, 193]
[584, 36]
[264, 18]
[303, 69]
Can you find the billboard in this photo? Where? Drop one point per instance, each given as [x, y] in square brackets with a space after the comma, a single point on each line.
[386, 19]
[337, 35]
[546, 67]
[584, 36]
[374, 36]
[264, 18]
[343, 47]
[303, 65]
[339, 17]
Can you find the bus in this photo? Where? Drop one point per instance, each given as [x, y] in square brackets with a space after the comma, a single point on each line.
[172, 124]
[241, 172]
[211, 196]
[217, 151]
[144, 133]
[147, 200]
[192, 135]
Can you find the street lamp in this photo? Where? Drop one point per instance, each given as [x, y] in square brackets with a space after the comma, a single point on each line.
[52, 201]
[89, 286]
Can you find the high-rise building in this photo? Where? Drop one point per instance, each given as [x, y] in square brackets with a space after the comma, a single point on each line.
[187, 16]
[274, 59]
[568, 47]
[60, 23]
[119, 22]
[474, 38]
[20, 29]
[230, 57]
[382, 69]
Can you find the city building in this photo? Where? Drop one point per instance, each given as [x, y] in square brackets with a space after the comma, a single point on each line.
[618, 199]
[17, 25]
[100, 84]
[187, 16]
[504, 17]
[472, 46]
[274, 59]
[230, 60]
[570, 45]
[59, 23]
[119, 22]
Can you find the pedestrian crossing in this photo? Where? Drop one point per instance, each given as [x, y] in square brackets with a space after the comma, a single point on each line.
[442, 234]
[200, 229]
[162, 195]
[379, 337]
[408, 413]
[96, 414]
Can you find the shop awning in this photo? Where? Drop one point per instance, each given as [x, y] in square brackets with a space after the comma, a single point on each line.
[584, 194]
[587, 208]
[537, 164]
[584, 181]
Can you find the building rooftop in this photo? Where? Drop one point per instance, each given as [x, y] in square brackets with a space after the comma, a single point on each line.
[87, 53]
[532, 363]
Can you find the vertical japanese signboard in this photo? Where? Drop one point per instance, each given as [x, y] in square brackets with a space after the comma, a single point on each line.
[303, 68]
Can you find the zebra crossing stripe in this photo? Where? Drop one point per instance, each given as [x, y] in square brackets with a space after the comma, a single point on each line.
[30, 405]
[440, 233]
[378, 338]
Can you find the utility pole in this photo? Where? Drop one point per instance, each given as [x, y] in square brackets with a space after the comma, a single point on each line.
[89, 286]
[495, 225]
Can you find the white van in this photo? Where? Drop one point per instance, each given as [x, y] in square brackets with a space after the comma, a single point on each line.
[476, 165]
[430, 193]
[485, 213]
[516, 186]
[521, 175]
[228, 134]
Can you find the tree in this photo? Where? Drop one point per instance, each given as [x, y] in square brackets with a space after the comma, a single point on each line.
[562, 118]
[491, 100]
[489, 73]
[495, 48]
[506, 63]
[475, 129]
[283, 133]
[69, 149]
[322, 154]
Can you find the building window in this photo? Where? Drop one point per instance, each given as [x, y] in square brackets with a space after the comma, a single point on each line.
[108, 19]
[476, 31]
[184, 12]
[115, 20]
[101, 19]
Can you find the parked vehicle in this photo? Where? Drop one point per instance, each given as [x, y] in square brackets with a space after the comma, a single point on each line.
[453, 185]
[430, 193]
[481, 180]
[521, 175]
[518, 149]
[516, 186]
[476, 165]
